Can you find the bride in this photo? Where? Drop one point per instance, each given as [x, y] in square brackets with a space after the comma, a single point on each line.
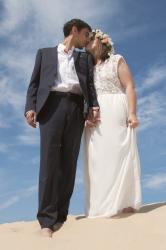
[111, 159]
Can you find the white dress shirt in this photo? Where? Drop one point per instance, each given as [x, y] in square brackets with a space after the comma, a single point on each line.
[66, 79]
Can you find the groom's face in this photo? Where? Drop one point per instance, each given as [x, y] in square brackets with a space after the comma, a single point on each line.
[82, 38]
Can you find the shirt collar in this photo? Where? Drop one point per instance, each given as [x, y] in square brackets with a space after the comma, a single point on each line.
[61, 48]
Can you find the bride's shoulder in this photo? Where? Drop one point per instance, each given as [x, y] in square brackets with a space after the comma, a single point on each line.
[115, 58]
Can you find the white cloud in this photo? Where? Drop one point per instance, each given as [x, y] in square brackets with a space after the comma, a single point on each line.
[19, 64]
[28, 139]
[9, 202]
[28, 136]
[152, 111]
[16, 12]
[154, 75]
[11, 95]
[16, 196]
[151, 96]
[155, 182]
[49, 16]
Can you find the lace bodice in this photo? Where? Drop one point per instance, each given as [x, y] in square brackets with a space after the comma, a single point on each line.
[106, 78]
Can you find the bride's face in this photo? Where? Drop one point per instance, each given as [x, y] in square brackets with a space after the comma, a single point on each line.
[93, 45]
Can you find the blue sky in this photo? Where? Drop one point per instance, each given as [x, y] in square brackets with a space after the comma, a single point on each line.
[139, 34]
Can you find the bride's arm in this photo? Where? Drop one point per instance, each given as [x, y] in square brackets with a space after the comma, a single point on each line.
[127, 82]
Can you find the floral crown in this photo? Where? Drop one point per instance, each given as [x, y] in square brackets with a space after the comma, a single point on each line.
[104, 38]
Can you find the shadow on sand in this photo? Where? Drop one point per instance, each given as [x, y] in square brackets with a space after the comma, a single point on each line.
[144, 209]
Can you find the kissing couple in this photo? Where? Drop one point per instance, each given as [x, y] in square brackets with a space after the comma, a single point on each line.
[82, 89]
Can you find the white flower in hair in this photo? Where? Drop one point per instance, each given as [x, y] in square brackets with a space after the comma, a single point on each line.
[105, 35]
[105, 39]
[110, 41]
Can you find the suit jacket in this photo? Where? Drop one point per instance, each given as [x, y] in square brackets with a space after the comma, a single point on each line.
[43, 76]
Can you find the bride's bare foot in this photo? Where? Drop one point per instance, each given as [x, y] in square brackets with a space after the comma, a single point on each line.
[46, 232]
[129, 210]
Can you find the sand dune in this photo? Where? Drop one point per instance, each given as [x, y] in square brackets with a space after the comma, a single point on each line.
[143, 230]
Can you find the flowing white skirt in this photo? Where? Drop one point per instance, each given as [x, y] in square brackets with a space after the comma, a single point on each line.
[111, 161]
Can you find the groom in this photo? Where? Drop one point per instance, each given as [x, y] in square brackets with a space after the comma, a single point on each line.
[60, 96]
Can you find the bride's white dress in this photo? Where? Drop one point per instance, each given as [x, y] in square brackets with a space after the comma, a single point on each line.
[111, 160]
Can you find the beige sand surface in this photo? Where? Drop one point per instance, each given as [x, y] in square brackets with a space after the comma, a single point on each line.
[139, 231]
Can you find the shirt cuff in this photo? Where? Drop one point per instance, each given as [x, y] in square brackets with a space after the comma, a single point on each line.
[29, 112]
[95, 108]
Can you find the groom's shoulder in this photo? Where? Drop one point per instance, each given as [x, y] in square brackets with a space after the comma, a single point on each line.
[46, 52]
[47, 49]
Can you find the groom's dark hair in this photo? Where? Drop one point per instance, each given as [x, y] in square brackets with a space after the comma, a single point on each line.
[78, 23]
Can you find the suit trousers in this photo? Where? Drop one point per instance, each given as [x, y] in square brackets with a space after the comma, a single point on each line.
[61, 123]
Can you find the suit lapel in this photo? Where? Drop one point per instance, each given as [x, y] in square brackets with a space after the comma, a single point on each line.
[75, 55]
[81, 77]
[55, 57]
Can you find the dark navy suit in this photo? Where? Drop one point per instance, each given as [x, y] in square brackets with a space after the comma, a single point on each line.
[61, 118]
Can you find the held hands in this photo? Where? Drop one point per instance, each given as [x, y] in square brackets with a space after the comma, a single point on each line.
[93, 117]
[132, 121]
[31, 118]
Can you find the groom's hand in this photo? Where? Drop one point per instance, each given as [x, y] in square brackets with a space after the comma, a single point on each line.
[93, 117]
[31, 118]
[89, 120]
[96, 114]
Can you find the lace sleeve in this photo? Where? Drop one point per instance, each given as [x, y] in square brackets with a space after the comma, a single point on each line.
[117, 59]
